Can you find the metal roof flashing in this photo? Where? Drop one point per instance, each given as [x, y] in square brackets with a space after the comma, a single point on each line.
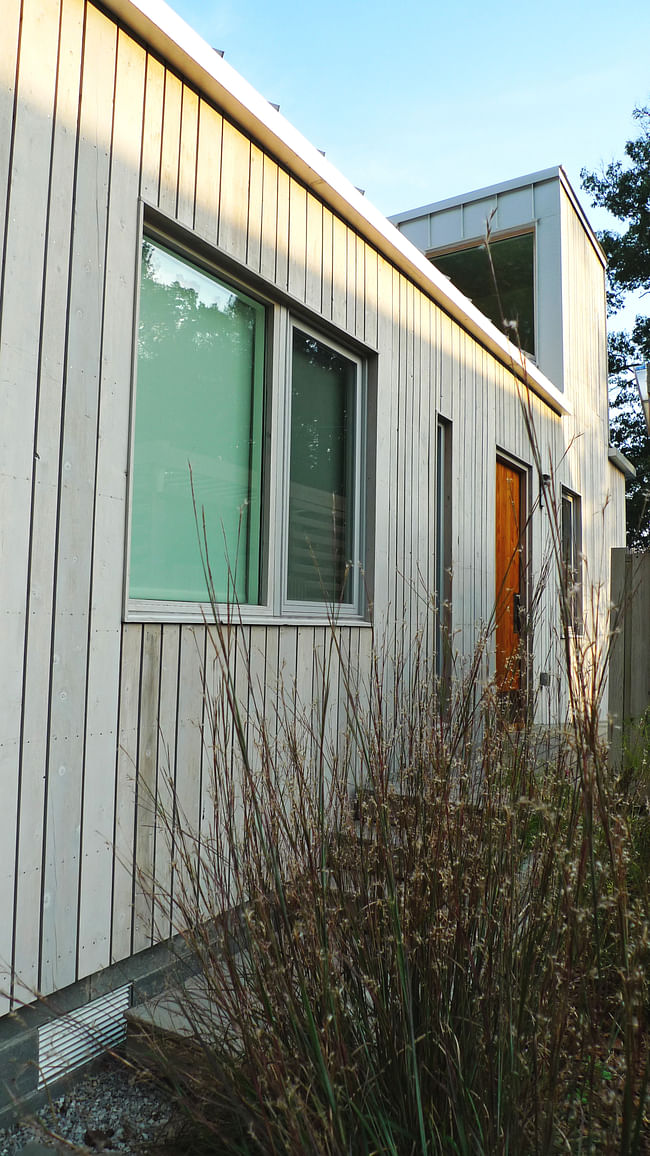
[166, 33]
[620, 462]
[543, 176]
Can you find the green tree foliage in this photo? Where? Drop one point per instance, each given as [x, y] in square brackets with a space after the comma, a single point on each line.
[623, 188]
[628, 432]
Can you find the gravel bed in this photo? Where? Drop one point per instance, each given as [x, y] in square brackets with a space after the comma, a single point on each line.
[110, 1109]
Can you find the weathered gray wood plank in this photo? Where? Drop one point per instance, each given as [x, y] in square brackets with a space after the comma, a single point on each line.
[188, 769]
[19, 368]
[171, 143]
[269, 219]
[146, 785]
[76, 501]
[152, 133]
[165, 780]
[38, 663]
[109, 517]
[125, 792]
[233, 200]
[297, 239]
[255, 193]
[188, 157]
[208, 172]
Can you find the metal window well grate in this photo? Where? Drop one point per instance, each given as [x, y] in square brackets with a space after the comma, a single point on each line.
[72, 1040]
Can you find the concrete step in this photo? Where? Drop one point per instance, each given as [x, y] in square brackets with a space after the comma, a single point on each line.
[184, 1015]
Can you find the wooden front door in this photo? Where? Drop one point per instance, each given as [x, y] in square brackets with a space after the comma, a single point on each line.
[509, 583]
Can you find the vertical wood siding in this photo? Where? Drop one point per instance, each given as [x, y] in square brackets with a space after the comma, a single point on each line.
[105, 723]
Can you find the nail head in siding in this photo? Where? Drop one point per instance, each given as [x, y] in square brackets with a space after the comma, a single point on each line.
[72, 1040]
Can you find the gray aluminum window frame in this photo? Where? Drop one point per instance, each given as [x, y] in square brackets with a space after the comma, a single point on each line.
[572, 562]
[274, 605]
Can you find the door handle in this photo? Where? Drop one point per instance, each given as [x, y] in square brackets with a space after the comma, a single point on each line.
[516, 613]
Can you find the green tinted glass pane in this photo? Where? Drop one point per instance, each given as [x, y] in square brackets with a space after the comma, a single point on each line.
[513, 260]
[321, 480]
[199, 406]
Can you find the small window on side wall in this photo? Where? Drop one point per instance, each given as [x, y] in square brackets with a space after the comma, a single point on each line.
[571, 548]
[199, 407]
[325, 462]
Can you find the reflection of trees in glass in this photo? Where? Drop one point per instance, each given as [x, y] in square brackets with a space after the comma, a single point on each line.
[199, 403]
[320, 399]
[321, 470]
[173, 308]
[511, 300]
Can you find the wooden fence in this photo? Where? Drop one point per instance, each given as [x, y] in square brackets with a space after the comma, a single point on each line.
[629, 670]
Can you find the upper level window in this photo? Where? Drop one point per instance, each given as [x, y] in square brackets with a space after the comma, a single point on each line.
[504, 293]
[283, 528]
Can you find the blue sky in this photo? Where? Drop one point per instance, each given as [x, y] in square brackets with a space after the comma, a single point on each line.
[419, 101]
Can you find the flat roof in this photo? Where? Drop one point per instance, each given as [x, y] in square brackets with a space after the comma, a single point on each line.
[170, 37]
[543, 176]
[538, 178]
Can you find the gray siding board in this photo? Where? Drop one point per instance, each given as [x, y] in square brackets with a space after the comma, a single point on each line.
[145, 803]
[208, 173]
[187, 157]
[102, 693]
[8, 85]
[297, 231]
[170, 145]
[254, 225]
[125, 792]
[23, 273]
[165, 780]
[233, 201]
[268, 241]
[152, 133]
[76, 505]
[188, 758]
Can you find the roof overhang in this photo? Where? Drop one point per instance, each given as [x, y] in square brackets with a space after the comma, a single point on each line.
[620, 462]
[161, 29]
[543, 176]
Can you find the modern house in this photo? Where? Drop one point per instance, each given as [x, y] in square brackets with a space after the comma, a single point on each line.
[189, 285]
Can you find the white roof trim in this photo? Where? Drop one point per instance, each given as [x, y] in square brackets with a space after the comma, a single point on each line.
[539, 178]
[620, 462]
[158, 26]
[556, 173]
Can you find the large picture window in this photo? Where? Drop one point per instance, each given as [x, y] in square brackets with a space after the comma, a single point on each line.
[270, 469]
[199, 409]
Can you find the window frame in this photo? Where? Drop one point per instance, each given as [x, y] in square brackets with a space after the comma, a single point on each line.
[573, 592]
[496, 236]
[281, 319]
[355, 607]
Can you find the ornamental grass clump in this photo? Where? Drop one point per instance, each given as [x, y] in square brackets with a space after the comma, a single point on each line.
[412, 924]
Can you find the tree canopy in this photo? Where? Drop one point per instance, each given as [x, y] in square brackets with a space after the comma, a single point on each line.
[623, 187]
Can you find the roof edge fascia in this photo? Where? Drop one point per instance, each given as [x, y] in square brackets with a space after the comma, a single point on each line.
[167, 34]
[620, 462]
[580, 213]
[481, 194]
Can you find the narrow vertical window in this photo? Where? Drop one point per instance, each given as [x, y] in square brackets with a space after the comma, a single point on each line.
[442, 580]
[199, 411]
[324, 473]
[571, 546]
